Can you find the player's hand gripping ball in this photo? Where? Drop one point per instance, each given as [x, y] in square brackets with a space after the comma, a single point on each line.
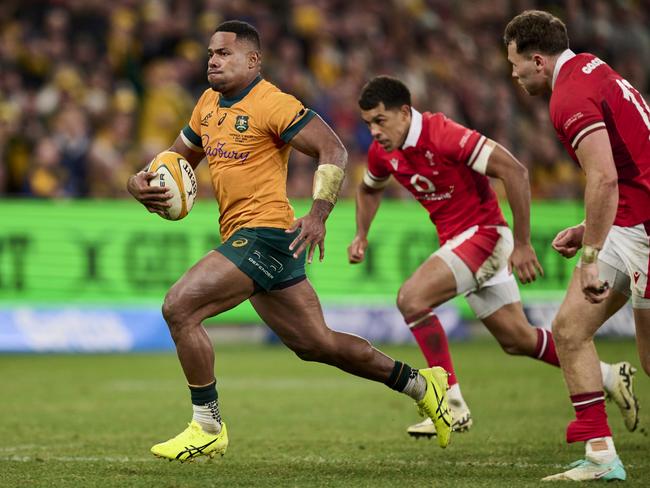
[175, 174]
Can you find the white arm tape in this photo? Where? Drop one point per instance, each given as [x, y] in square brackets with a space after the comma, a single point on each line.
[189, 144]
[479, 161]
[373, 181]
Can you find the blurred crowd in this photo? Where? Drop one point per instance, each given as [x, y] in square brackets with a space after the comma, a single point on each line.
[90, 90]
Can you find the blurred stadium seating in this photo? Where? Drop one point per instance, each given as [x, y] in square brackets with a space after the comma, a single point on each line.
[90, 90]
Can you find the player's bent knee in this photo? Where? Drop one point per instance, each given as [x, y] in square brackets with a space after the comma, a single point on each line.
[172, 311]
[567, 334]
[407, 304]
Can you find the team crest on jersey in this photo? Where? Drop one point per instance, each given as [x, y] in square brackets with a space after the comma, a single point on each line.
[241, 123]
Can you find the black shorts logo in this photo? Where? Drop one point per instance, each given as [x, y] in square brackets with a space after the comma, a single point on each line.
[239, 242]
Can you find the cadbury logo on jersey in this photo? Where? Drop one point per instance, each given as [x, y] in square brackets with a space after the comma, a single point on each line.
[220, 150]
[592, 65]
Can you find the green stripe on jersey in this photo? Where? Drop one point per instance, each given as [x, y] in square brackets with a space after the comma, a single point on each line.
[292, 130]
[192, 136]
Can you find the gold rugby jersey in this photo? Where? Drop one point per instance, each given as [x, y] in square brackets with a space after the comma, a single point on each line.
[245, 140]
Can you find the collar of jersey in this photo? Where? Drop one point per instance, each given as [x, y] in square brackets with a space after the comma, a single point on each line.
[564, 57]
[229, 102]
[415, 130]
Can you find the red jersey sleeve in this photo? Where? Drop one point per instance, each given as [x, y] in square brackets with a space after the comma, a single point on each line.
[453, 141]
[377, 171]
[575, 117]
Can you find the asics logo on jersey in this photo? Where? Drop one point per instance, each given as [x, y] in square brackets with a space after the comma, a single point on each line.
[592, 65]
[223, 117]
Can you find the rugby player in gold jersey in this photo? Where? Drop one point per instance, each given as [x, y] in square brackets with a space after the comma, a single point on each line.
[245, 128]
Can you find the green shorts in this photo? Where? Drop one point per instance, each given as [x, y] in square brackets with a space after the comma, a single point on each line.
[263, 254]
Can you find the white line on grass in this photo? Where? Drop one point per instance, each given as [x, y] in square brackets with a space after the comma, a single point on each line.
[78, 459]
[19, 448]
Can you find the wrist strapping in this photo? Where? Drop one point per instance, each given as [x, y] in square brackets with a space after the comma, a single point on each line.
[327, 182]
[589, 254]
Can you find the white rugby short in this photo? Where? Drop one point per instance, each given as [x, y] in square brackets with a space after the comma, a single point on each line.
[478, 258]
[627, 250]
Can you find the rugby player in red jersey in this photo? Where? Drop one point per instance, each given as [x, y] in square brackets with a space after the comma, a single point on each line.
[446, 167]
[604, 123]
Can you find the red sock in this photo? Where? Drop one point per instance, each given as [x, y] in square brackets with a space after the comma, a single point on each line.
[545, 349]
[431, 337]
[591, 418]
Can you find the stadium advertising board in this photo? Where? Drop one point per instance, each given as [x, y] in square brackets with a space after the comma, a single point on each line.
[66, 264]
[115, 253]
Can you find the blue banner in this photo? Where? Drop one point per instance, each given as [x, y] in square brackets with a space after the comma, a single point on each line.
[27, 329]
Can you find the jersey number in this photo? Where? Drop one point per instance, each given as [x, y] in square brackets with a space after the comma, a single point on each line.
[422, 184]
[630, 94]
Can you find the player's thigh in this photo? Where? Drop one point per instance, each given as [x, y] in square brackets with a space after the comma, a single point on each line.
[294, 314]
[642, 323]
[211, 286]
[577, 317]
[433, 283]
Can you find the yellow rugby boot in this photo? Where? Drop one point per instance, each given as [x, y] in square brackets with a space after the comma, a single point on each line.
[434, 404]
[462, 422]
[192, 443]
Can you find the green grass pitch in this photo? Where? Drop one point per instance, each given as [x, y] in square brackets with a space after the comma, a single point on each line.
[89, 421]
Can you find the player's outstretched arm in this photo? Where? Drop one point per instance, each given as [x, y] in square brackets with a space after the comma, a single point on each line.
[155, 198]
[367, 202]
[318, 140]
[503, 165]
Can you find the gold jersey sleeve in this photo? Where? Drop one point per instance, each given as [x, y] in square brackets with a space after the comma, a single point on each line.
[245, 140]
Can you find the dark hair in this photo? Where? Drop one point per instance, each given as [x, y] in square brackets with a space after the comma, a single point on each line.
[391, 91]
[243, 30]
[536, 30]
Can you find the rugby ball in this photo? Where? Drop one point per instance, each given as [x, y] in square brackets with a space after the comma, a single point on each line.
[174, 173]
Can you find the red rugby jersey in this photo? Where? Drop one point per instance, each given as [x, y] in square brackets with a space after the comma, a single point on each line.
[434, 164]
[588, 96]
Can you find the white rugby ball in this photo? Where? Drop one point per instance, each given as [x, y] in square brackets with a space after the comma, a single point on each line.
[175, 174]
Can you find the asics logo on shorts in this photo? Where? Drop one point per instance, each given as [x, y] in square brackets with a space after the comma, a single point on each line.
[239, 243]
